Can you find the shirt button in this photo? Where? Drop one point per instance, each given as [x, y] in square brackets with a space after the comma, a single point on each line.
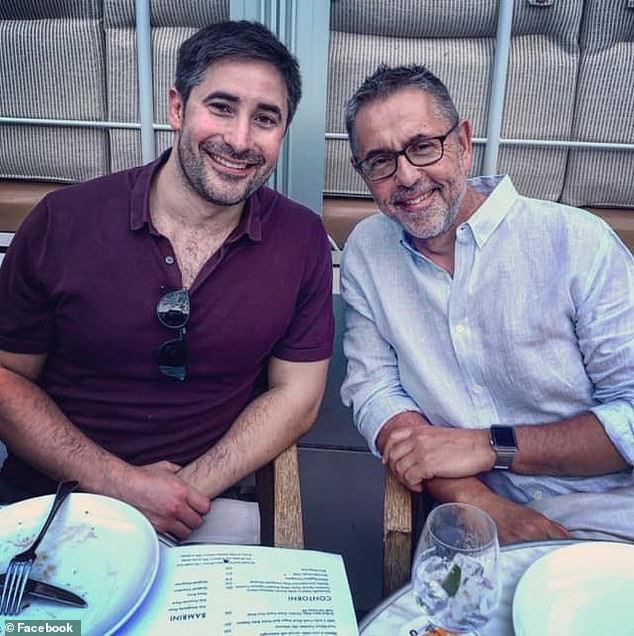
[537, 494]
[477, 389]
[169, 260]
[460, 328]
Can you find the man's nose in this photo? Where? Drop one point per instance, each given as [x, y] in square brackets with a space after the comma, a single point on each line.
[406, 174]
[239, 134]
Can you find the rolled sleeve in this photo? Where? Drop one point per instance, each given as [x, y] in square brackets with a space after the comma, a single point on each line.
[605, 327]
[617, 418]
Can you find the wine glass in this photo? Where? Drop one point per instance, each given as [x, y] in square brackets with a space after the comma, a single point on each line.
[456, 569]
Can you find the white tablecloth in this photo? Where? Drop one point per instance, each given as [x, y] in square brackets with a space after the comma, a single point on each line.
[396, 611]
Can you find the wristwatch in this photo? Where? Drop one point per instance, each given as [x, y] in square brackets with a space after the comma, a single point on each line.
[503, 442]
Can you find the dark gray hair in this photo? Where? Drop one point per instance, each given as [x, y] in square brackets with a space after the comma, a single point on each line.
[235, 40]
[387, 80]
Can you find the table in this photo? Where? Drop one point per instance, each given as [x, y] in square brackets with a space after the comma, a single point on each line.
[395, 612]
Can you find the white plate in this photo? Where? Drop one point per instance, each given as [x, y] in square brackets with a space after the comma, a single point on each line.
[585, 588]
[100, 548]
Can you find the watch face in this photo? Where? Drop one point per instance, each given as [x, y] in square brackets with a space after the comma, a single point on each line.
[503, 436]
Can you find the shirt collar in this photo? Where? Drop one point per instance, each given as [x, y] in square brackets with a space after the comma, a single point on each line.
[140, 198]
[251, 219]
[501, 196]
[250, 222]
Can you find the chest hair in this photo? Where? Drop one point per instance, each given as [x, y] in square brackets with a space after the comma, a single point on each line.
[193, 248]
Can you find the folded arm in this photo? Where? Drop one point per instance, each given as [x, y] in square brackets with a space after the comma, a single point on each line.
[266, 427]
[36, 430]
[515, 522]
[416, 451]
[597, 441]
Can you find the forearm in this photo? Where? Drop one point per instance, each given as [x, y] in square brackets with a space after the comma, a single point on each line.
[37, 431]
[461, 490]
[514, 522]
[417, 452]
[265, 428]
[577, 446]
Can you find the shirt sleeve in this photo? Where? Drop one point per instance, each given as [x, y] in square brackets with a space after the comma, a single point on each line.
[26, 319]
[605, 330]
[372, 385]
[310, 336]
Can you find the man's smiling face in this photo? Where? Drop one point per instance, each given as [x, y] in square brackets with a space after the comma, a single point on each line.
[230, 131]
[425, 201]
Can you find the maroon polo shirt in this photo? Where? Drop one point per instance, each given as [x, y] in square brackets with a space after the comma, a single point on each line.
[81, 280]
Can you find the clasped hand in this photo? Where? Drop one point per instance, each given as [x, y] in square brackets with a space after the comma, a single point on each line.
[170, 503]
[417, 451]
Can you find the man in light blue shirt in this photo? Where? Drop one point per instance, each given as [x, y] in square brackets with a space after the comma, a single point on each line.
[489, 336]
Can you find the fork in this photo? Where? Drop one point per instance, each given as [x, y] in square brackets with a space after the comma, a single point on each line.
[20, 565]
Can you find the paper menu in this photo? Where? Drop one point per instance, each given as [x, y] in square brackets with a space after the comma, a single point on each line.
[246, 591]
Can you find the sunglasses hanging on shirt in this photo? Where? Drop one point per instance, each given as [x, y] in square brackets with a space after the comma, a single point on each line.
[173, 311]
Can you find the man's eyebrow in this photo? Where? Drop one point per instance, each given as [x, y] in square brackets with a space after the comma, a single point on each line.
[408, 142]
[229, 97]
[222, 95]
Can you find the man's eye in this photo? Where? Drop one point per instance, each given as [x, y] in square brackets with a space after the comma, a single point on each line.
[422, 148]
[220, 107]
[266, 121]
[378, 161]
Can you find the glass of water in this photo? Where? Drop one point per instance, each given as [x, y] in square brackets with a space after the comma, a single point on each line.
[456, 570]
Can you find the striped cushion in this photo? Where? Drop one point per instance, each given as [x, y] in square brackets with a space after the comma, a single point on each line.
[457, 42]
[604, 108]
[39, 10]
[172, 23]
[52, 68]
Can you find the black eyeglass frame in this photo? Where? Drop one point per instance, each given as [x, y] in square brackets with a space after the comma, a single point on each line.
[395, 155]
[173, 311]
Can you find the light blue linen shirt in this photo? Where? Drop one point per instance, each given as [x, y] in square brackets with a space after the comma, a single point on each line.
[536, 325]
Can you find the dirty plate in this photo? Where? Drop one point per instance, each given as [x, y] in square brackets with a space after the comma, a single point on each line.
[98, 547]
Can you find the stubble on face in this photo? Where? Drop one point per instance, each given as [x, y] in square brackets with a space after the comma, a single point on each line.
[228, 189]
[427, 208]
[426, 201]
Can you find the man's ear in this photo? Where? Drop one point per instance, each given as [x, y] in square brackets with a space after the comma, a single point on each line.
[466, 142]
[176, 108]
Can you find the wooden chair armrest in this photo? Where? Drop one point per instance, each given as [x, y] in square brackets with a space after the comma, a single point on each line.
[279, 495]
[398, 529]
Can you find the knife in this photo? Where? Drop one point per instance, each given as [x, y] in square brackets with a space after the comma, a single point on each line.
[50, 592]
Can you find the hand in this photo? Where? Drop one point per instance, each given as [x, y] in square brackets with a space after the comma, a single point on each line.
[516, 522]
[417, 451]
[171, 505]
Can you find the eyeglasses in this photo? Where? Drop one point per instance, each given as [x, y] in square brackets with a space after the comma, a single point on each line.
[173, 312]
[423, 152]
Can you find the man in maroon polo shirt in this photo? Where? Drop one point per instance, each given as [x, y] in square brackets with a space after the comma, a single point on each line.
[166, 330]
